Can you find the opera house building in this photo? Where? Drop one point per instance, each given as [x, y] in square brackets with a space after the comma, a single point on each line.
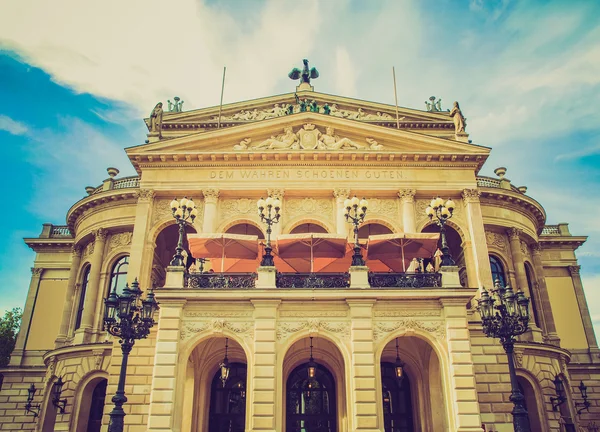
[305, 263]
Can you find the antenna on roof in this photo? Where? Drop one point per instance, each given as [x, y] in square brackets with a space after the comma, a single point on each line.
[396, 98]
[221, 104]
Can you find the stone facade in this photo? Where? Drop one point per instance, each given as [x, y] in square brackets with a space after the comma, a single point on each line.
[458, 378]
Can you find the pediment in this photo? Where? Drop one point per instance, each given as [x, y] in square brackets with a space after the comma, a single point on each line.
[307, 133]
[177, 124]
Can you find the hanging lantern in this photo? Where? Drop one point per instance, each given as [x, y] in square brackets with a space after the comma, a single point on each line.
[311, 368]
[398, 366]
[224, 365]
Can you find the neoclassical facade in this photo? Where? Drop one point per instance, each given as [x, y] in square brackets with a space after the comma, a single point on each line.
[312, 156]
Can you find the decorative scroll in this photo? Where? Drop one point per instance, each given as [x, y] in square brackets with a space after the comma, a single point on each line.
[244, 329]
[495, 239]
[220, 280]
[119, 240]
[312, 206]
[313, 280]
[88, 250]
[384, 207]
[436, 328]
[234, 207]
[284, 330]
[308, 138]
[405, 280]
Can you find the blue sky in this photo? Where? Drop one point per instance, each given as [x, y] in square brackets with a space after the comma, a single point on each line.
[77, 78]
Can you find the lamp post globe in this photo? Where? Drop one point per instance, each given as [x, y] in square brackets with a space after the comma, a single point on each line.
[269, 213]
[355, 213]
[439, 213]
[183, 211]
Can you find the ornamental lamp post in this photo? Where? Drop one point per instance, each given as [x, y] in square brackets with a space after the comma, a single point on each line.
[268, 210]
[356, 210]
[504, 315]
[129, 318]
[440, 212]
[183, 210]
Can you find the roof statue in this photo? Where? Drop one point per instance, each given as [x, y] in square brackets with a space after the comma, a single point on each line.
[176, 106]
[305, 75]
[433, 105]
[156, 118]
[460, 122]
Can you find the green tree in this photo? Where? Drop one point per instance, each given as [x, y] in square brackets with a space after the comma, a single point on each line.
[9, 327]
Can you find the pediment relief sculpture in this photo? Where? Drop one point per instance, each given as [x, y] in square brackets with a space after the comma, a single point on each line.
[308, 138]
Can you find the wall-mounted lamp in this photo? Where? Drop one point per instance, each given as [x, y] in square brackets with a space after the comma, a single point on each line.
[585, 405]
[56, 392]
[29, 406]
[399, 366]
[560, 394]
[224, 365]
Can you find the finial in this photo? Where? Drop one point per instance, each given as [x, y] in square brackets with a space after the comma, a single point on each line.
[305, 75]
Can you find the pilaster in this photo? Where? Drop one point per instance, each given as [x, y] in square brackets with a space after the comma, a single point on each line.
[583, 308]
[211, 199]
[407, 198]
[63, 331]
[140, 263]
[478, 242]
[34, 285]
[341, 195]
[542, 289]
[83, 334]
[363, 383]
[263, 380]
[462, 372]
[163, 387]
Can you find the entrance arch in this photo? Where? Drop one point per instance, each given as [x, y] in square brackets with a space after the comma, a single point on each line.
[311, 401]
[397, 400]
[90, 405]
[228, 401]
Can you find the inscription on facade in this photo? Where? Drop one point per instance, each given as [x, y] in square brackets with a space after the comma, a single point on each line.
[307, 174]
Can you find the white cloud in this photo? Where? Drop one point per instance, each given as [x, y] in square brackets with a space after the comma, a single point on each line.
[12, 126]
[346, 72]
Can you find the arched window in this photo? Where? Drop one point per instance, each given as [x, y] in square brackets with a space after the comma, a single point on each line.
[308, 228]
[84, 285]
[497, 270]
[372, 229]
[311, 401]
[529, 276]
[228, 402]
[245, 229]
[397, 404]
[118, 275]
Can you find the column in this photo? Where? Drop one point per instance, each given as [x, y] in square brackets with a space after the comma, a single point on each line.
[211, 198]
[263, 381]
[462, 373]
[140, 256]
[34, 285]
[341, 195]
[83, 334]
[478, 241]
[542, 289]
[69, 296]
[407, 197]
[514, 238]
[363, 383]
[583, 308]
[277, 193]
[162, 393]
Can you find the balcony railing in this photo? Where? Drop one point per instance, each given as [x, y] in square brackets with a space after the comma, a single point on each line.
[312, 280]
[405, 280]
[60, 231]
[220, 280]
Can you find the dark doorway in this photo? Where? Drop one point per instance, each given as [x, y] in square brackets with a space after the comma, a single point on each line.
[228, 403]
[311, 401]
[397, 405]
[97, 407]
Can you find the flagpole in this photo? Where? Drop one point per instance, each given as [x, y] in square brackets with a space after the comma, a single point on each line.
[395, 97]
[221, 104]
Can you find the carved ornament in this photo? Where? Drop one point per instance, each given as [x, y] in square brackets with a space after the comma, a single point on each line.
[470, 195]
[51, 371]
[525, 248]
[144, 194]
[312, 206]
[330, 313]
[76, 250]
[536, 249]
[574, 270]
[386, 207]
[217, 325]
[341, 193]
[309, 138]
[119, 240]
[100, 234]
[218, 314]
[98, 358]
[88, 250]
[36, 271]
[313, 325]
[514, 233]
[275, 193]
[210, 195]
[518, 358]
[436, 328]
[495, 239]
[407, 195]
[406, 313]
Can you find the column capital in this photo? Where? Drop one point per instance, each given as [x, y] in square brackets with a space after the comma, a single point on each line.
[100, 234]
[36, 271]
[145, 195]
[536, 249]
[76, 250]
[470, 195]
[210, 195]
[574, 270]
[341, 193]
[514, 233]
[407, 195]
[276, 193]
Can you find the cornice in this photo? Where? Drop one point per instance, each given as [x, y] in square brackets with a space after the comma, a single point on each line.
[572, 241]
[95, 200]
[527, 204]
[40, 244]
[74, 350]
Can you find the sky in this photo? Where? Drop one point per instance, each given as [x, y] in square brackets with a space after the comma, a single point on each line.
[76, 79]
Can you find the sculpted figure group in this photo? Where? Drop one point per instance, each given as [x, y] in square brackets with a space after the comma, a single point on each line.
[308, 138]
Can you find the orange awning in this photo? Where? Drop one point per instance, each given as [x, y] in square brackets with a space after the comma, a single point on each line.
[304, 250]
[223, 245]
[390, 248]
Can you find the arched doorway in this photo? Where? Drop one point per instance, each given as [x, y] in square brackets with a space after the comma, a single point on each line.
[97, 407]
[228, 402]
[308, 228]
[91, 405]
[310, 401]
[165, 245]
[372, 228]
[531, 404]
[397, 400]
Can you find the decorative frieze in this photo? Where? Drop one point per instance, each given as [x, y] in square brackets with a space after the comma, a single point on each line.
[217, 314]
[313, 313]
[88, 250]
[407, 313]
[275, 193]
[383, 328]
[119, 240]
[313, 325]
[245, 329]
[383, 207]
[313, 206]
[237, 207]
[496, 240]
[144, 194]
[470, 195]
